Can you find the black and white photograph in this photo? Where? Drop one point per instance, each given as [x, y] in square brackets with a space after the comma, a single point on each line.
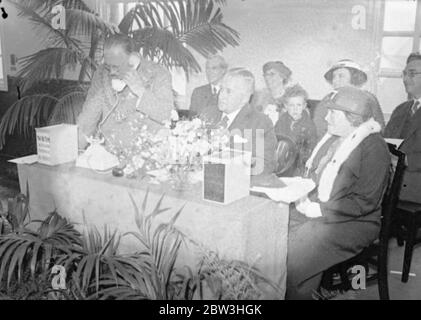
[210, 154]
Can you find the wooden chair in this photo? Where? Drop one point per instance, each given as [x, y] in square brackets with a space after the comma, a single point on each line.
[185, 114]
[376, 254]
[408, 221]
[286, 154]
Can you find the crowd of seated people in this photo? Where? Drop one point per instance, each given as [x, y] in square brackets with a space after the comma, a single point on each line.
[341, 147]
[341, 142]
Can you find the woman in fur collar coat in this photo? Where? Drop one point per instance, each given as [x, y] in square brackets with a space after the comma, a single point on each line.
[350, 167]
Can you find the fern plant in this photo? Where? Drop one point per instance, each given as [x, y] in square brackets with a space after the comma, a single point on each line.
[159, 248]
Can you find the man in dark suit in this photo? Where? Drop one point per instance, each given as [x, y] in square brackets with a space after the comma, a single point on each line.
[405, 123]
[204, 99]
[250, 130]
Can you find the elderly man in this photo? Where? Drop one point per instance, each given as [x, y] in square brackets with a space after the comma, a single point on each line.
[405, 123]
[126, 89]
[250, 127]
[350, 167]
[204, 99]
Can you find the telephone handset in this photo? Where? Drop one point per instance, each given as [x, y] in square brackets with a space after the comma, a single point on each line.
[118, 84]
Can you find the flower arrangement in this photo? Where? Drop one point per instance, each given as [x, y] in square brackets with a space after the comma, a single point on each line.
[176, 150]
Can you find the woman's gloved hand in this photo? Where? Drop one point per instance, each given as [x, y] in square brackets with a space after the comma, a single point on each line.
[309, 208]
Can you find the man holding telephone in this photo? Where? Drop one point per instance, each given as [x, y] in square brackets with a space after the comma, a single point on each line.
[125, 89]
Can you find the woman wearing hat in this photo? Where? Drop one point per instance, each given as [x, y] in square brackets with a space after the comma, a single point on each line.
[350, 166]
[345, 73]
[269, 100]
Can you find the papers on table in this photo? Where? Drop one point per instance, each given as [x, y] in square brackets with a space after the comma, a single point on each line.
[396, 142]
[33, 158]
[295, 189]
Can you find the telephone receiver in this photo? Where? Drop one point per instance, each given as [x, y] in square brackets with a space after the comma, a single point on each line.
[118, 84]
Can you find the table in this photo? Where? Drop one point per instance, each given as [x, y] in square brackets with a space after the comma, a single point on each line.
[253, 229]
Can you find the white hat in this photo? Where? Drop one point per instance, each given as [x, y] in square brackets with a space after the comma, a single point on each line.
[347, 63]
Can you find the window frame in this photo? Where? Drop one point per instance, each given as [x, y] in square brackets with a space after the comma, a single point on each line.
[414, 34]
[4, 85]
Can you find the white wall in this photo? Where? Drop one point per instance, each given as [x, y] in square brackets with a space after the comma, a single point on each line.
[20, 36]
[308, 36]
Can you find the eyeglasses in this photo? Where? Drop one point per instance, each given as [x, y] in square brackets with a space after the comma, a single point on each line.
[411, 74]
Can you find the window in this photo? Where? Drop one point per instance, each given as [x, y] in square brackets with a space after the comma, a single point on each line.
[3, 74]
[400, 35]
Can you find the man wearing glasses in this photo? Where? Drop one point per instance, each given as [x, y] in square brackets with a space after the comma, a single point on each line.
[405, 122]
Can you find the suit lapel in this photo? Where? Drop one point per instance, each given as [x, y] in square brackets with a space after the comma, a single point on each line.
[415, 124]
[207, 94]
[241, 118]
[402, 119]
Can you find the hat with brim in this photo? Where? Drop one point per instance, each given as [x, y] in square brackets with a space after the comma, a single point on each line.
[350, 99]
[349, 64]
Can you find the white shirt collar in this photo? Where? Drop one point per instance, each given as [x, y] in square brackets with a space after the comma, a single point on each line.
[231, 116]
[215, 86]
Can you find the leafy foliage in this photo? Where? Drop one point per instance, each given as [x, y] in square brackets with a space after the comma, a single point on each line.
[195, 24]
[96, 270]
[191, 24]
[159, 250]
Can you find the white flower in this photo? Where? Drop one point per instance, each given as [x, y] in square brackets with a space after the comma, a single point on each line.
[174, 115]
[138, 161]
[197, 123]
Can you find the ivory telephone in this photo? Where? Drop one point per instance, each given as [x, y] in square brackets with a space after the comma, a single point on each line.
[118, 84]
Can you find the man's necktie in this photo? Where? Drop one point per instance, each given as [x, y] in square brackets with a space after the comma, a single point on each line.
[214, 91]
[415, 107]
[224, 122]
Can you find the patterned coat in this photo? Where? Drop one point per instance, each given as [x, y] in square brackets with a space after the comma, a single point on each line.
[157, 102]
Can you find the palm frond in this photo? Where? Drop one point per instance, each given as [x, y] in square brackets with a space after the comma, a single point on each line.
[193, 23]
[68, 107]
[162, 45]
[42, 20]
[34, 251]
[47, 5]
[26, 114]
[82, 22]
[161, 245]
[45, 64]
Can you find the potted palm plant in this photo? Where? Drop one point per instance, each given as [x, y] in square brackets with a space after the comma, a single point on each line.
[166, 31]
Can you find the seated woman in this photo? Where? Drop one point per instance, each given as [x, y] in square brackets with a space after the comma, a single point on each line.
[350, 167]
[344, 73]
[297, 125]
[269, 100]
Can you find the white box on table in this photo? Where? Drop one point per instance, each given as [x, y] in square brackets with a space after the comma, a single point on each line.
[226, 176]
[57, 144]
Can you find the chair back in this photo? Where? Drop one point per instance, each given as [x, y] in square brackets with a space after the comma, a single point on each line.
[286, 154]
[185, 114]
[391, 196]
